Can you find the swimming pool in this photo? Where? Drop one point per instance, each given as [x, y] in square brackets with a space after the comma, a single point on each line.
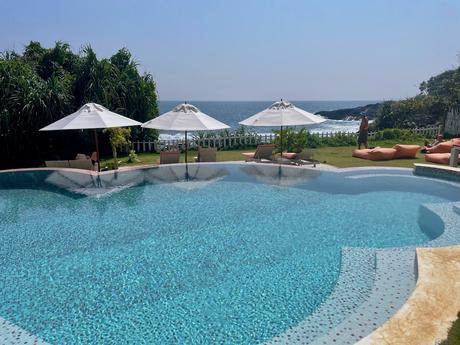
[220, 253]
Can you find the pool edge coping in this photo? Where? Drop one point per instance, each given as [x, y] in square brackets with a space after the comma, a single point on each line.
[430, 310]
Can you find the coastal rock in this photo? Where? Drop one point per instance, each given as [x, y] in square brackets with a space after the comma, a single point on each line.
[350, 114]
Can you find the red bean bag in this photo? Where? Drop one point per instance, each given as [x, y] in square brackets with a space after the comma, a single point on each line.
[440, 158]
[406, 151]
[377, 154]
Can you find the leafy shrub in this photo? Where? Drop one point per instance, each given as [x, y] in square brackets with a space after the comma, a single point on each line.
[117, 138]
[397, 134]
[292, 141]
[340, 139]
[296, 141]
[132, 157]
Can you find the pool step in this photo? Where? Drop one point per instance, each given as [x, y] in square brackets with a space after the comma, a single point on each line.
[394, 281]
[354, 283]
[449, 214]
[13, 335]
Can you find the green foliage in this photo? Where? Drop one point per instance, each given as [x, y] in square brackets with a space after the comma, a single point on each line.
[445, 87]
[295, 141]
[413, 112]
[292, 141]
[453, 337]
[398, 134]
[44, 84]
[118, 137]
[132, 157]
[340, 139]
[437, 96]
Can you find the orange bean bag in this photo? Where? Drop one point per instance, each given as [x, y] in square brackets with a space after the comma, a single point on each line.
[440, 158]
[361, 153]
[377, 154]
[406, 151]
[444, 147]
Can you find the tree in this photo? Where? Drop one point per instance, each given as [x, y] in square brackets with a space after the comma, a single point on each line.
[437, 95]
[42, 85]
[117, 138]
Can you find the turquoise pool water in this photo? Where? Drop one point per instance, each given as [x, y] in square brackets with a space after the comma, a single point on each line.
[226, 254]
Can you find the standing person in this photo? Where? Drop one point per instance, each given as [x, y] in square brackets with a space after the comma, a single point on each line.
[363, 131]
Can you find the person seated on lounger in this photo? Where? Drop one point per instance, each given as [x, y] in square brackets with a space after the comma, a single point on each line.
[439, 139]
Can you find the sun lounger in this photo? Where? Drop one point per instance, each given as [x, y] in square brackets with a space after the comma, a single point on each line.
[81, 156]
[85, 164]
[57, 164]
[206, 155]
[306, 157]
[169, 157]
[264, 152]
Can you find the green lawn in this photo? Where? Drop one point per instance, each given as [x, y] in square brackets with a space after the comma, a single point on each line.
[336, 156]
[454, 334]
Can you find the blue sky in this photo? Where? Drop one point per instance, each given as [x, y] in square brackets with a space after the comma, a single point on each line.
[256, 50]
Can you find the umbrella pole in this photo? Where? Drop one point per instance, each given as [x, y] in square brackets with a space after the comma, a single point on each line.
[186, 147]
[281, 144]
[97, 151]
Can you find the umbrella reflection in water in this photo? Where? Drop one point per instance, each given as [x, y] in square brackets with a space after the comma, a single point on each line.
[189, 177]
[278, 175]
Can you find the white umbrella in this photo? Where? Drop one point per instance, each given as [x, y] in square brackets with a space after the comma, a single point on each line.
[91, 116]
[282, 114]
[185, 117]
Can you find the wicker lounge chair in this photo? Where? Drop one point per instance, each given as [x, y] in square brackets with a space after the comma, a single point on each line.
[305, 157]
[206, 155]
[57, 164]
[85, 164]
[264, 152]
[169, 157]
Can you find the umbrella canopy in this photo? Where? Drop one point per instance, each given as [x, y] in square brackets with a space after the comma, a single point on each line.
[282, 113]
[185, 117]
[91, 116]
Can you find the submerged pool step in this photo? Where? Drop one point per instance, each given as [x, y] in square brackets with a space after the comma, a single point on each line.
[394, 281]
[353, 286]
[13, 335]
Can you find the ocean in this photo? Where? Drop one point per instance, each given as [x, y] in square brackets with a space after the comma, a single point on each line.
[231, 112]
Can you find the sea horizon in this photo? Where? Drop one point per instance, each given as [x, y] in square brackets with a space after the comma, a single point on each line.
[232, 112]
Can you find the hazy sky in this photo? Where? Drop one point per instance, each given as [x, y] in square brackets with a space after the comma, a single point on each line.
[256, 50]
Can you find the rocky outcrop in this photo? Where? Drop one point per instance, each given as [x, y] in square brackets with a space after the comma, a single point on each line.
[351, 113]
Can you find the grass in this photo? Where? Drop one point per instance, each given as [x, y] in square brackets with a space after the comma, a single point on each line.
[336, 156]
[453, 337]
